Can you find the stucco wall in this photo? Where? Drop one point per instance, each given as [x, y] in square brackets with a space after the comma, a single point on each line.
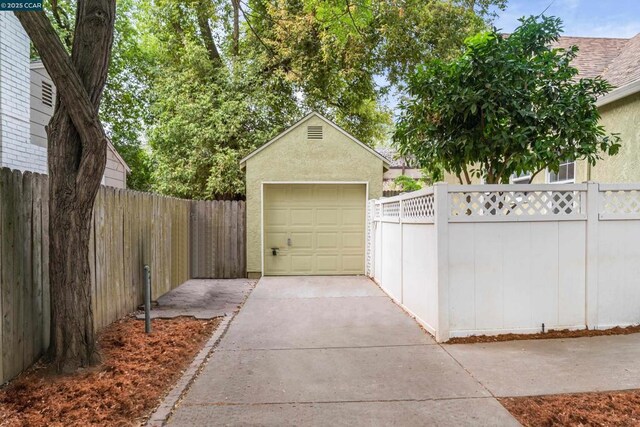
[294, 158]
[621, 117]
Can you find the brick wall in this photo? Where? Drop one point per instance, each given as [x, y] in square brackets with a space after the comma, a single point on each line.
[16, 149]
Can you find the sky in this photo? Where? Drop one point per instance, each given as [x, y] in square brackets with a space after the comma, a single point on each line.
[586, 18]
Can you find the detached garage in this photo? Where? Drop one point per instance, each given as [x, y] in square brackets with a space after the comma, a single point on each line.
[307, 191]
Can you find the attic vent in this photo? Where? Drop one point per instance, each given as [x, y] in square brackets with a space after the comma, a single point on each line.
[47, 94]
[314, 132]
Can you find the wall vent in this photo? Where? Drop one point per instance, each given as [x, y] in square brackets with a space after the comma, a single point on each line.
[314, 132]
[47, 94]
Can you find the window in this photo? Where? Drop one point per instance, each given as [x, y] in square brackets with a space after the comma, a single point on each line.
[566, 173]
[521, 178]
[47, 94]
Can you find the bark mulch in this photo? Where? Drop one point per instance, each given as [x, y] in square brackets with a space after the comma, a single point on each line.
[136, 372]
[551, 334]
[620, 408]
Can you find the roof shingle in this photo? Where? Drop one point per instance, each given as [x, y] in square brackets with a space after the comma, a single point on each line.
[625, 68]
[594, 54]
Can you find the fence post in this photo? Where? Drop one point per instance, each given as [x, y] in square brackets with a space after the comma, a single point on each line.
[591, 274]
[441, 223]
[401, 225]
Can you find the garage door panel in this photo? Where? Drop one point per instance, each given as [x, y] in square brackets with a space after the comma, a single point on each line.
[327, 240]
[275, 240]
[327, 217]
[278, 264]
[327, 264]
[277, 217]
[352, 264]
[325, 224]
[302, 264]
[352, 217]
[326, 194]
[352, 240]
[302, 216]
[351, 196]
[300, 194]
[302, 240]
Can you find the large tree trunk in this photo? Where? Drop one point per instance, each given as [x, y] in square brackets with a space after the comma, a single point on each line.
[77, 156]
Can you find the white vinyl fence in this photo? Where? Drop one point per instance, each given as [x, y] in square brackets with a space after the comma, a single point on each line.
[493, 259]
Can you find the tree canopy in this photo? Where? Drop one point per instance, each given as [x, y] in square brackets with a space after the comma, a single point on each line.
[506, 105]
[194, 85]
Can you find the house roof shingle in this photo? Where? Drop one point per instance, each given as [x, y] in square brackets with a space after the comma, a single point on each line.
[615, 59]
[594, 54]
[625, 68]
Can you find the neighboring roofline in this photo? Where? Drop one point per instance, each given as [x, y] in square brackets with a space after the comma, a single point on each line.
[385, 162]
[564, 36]
[619, 93]
[36, 64]
[118, 156]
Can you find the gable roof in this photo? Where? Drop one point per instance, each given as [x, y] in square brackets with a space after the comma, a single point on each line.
[625, 68]
[396, 161]
[111, 147]
[385, 161]
[617, 60]
[594, 54]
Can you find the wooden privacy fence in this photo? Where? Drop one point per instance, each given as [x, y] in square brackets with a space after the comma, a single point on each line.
[130, 229]
[218, 239]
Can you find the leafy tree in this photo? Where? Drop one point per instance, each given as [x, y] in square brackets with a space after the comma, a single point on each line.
[210, 107]
[507, 104]
[77, 145]
[124, 107]
[228, 75]
[406, 183]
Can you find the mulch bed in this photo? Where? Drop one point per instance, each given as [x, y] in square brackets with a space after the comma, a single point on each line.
[136, 372]
[563, 333]
[620, 408]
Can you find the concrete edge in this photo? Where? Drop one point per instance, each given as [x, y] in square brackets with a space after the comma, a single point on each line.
[162, 413]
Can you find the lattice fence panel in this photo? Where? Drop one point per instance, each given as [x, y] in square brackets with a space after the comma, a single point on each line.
[620, 202]
[391, 210]
[422, 207]
[515, 203]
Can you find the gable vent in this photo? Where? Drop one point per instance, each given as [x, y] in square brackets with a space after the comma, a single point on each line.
[314, 132]
[47, 94]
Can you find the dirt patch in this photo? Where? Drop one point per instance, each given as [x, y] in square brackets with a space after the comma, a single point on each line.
[137, 371]
[551, 334]
[583, 409]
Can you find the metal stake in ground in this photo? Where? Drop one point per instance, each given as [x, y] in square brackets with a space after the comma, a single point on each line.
[147, 299]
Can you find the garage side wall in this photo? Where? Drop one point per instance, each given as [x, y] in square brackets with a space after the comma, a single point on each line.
[294, 158]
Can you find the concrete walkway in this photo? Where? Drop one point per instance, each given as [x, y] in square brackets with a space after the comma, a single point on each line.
[536, 367]
[332, 351]
[202, 299]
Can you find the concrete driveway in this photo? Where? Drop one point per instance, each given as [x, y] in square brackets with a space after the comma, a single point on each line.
[332, 351]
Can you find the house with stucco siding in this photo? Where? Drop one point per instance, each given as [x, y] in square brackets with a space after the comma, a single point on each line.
[617, 60]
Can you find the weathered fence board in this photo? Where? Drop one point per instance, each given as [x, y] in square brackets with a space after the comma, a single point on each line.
[178, 239]
[217, 242]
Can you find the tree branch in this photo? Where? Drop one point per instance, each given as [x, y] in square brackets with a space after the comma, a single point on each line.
[64, 75]
[206, 34]
[236, 26]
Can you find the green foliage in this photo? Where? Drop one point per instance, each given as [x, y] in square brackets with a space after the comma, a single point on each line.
[208, 112]
[505, 105]
[125, 104]
[406, 183]
[188, 97]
